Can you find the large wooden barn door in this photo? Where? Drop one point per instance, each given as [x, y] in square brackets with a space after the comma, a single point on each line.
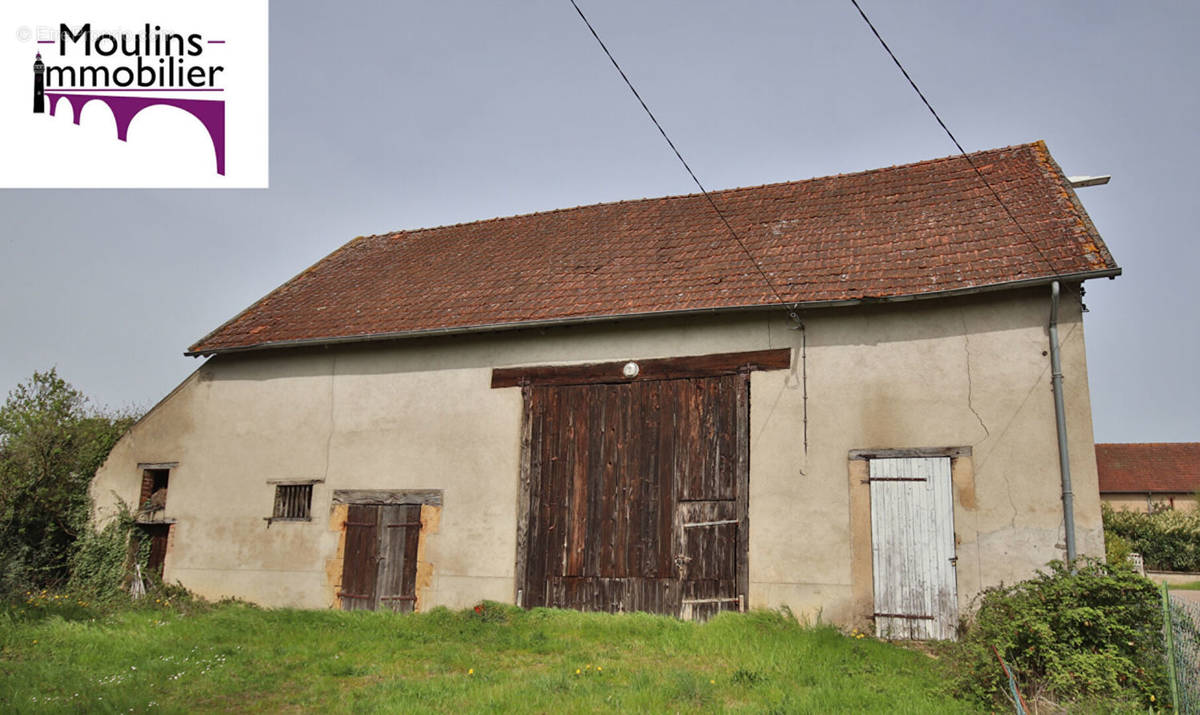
[380, 566]
[638, 495]
[912, 543]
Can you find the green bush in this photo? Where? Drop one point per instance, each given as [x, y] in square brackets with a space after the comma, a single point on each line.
[1067, 636]
[1117, 549]
[101, 560]
[1167, 539]
[51, 444]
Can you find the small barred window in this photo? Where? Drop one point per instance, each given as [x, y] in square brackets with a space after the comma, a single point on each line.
[292, 501]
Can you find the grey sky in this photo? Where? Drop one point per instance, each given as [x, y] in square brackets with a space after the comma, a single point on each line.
[401, 115]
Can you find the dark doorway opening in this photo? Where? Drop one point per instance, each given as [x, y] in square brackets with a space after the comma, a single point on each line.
[158, 536]
[153, 498]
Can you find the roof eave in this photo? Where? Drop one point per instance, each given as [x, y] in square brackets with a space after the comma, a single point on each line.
[590, 319]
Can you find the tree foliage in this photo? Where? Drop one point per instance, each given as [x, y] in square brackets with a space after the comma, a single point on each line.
[51, 444]
[1168, 539]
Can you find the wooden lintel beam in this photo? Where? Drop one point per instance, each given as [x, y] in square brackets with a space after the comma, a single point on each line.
[655, 369]
[910, 453]
[406, 497]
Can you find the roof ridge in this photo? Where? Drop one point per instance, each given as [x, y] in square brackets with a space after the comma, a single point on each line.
[712, 192]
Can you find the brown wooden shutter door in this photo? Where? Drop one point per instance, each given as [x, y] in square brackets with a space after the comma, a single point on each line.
[398, 556]
[380, 566]
[360, 568]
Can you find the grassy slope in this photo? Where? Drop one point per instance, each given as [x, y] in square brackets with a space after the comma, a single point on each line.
[234, 657]
[1189, 586]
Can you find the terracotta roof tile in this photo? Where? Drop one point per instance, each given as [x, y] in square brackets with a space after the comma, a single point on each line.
[1149, 467]
[910, 230]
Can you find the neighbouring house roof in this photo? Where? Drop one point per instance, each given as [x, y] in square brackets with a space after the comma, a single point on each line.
[1149, 467]
[919, 230]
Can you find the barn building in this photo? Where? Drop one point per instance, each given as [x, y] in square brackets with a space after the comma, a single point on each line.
[613, 407]
[1147, 476]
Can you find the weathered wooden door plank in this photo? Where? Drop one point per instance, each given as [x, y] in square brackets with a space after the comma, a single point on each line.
[610, 467]
[398, 538]
[360, 565]
[540, 498]
[912, 543]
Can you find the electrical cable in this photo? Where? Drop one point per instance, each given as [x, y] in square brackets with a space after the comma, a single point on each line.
[791, 307]
[951, 135]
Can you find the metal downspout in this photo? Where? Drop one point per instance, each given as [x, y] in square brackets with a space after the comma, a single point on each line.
[1060, 415]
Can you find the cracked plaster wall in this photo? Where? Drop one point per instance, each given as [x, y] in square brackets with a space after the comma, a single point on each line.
[421, 414]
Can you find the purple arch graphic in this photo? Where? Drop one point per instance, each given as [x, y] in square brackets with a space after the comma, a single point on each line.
[210, 113]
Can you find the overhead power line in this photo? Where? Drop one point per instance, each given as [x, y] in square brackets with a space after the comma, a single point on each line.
[951, 135]
[791, 307]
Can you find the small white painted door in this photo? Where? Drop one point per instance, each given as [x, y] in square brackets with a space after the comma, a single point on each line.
[912, 545]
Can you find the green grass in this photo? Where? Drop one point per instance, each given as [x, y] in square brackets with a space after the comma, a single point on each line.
[497, 659]
[1189, 586]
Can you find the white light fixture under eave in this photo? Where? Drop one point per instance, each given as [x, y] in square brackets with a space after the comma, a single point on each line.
[630, 370]
[1078, 182]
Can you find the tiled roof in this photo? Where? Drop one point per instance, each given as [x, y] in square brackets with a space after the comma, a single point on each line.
[914, 230]
[1149, 467]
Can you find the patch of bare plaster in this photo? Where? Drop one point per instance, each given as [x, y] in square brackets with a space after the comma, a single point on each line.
[861, 565]
[431, 520]
[333, 567]
[963, 477]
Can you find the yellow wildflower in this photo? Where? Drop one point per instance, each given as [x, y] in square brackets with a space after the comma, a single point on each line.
[470, 671]
[577, 671]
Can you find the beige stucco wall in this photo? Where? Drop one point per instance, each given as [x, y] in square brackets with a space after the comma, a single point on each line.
[1182, 501]
[420, 414]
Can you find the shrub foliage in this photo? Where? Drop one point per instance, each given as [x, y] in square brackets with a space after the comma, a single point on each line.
[51, 444]
[1067, 636]
[100, 560]
[1167, 539]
